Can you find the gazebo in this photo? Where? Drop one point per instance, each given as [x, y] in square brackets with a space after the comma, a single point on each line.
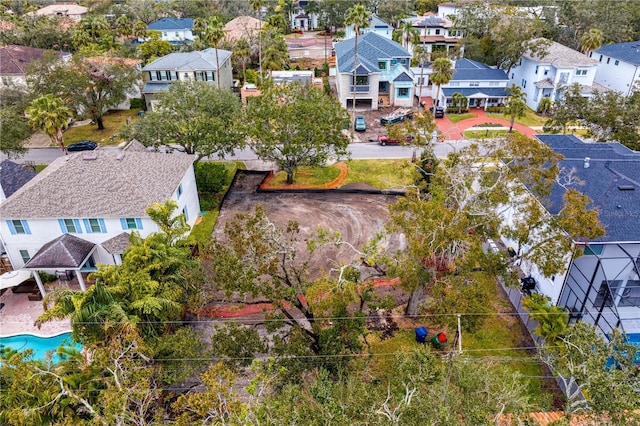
[67, 252]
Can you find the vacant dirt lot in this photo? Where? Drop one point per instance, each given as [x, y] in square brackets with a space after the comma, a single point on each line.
[358, 217]
[374, 128]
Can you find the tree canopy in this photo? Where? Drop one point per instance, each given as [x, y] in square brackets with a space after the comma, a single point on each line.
[296, 125]
[195, 115]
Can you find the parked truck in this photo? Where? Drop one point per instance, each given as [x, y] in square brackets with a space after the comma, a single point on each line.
[397, 116]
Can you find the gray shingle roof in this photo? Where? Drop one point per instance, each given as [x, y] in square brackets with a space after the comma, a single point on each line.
[13, 176]
[200, 60]
[466, 69]
[371, 48]
[627, 52]
[560, 56]
[117, 244]
[611, 166]
[168, 24]
[66, 251]
[113, 184]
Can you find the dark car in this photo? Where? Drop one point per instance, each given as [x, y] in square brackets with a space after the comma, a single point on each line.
[82, 146]
[438, 112]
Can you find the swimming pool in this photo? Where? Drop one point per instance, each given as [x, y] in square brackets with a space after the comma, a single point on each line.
[40, 345]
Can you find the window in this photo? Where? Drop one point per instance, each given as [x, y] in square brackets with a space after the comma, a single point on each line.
[524, 83]
[94, 226]
[186, 213]
[494, 83]
[474, 84]
[437, 32]
[179, 191]
[546, 71]
[454, 84]
[177, 34]
[24, 254]
[362, 80]
[394, 61]
[70, 226]
[152, 76]
[164, 34]
[537, 66]
[18, 227]
[608, 60]
[581, 72]
[403, 92]
[131, 223]
[382, 65]
[159, 75]
[600, 60]
[616, 62]
[512, 74]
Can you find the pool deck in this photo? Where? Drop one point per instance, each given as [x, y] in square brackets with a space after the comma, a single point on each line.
[19, 314]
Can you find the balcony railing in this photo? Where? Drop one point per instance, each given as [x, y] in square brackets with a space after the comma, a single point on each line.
[359, 88]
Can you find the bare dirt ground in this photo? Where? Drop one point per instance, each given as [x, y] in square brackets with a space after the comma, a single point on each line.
[358, 217]
[374, 128]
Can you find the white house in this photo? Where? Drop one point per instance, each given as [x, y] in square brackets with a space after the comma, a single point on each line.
[174, 30]
[376, 25]
[301, 18]
[619, 66]
[436, 33]
[382, 73]
[79, 211]
[546, 76]
[603, 285]
[198, 65]
[482, 85]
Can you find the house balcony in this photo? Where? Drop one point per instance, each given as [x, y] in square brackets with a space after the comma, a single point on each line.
[360, 88]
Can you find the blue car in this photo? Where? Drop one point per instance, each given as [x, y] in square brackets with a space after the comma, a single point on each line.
[82, 146]
[360, 124]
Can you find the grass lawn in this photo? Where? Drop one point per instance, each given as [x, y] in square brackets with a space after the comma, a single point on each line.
[40, 167]
[381, 174]
[530, 118]
[113, 121]
[455, 118]
[484, 134]
[308, 176]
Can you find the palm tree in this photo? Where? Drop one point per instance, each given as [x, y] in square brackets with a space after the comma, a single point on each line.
[140, 29]
[460, 101]
[591, 40]
[516, 105]
[257, 6]
[213, 34]
[49, 114]
[409, 34]
[124, 26]
[442, 74]
[545, 105]
[242, 52]
[358, 16]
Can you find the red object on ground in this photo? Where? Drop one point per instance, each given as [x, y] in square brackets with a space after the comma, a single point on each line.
[442, 338]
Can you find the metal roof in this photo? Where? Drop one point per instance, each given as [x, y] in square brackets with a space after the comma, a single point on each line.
[627, 52]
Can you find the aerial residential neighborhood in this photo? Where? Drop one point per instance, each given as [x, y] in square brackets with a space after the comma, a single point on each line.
[320, 212]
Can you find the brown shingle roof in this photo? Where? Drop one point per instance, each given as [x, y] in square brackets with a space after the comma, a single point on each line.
[66, 251]
[117, 244]
[14, 59]
[242, 27]
[99, 184]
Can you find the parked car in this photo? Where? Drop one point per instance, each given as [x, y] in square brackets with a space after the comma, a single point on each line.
[397, 116]
[360, 124]
[82, 146]
[385, 140]
[438, 112]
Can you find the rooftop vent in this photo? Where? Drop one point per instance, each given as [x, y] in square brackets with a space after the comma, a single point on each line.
[586, 162]
[626, 187]
[120, 156]
[90, 157]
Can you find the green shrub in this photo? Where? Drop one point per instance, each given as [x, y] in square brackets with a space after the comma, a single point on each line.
[210, 177]
[47, 278]
[136, 103]
[495, 109]
[251, 76]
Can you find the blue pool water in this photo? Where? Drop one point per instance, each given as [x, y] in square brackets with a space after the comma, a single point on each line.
[40, 345]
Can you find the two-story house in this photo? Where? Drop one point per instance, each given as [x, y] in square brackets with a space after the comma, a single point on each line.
[198, 65]
[482, 85]
[303, 19]
[376, 25]
[436, 34]
[174, 30]
[603, 286]
[382, 73]
[619, 66]
[80, 210]
[546, 76]
[14, 61]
